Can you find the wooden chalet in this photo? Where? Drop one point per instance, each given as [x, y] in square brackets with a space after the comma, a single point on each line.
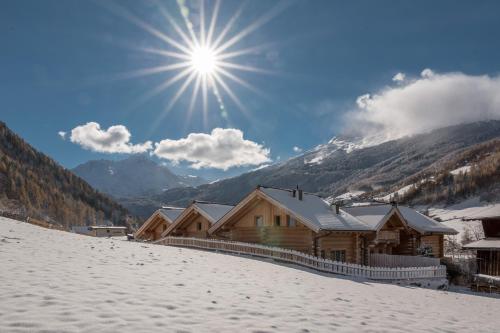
[400, 230]
[154, 226]
[196, 219]
[304, 222]
[488, 249]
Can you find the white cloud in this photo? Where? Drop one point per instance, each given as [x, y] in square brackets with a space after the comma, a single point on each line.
[62, 134]
[221, 149]
[399, 77]
[422, 104]
[115, 139]
[297, 149]
[427, 73]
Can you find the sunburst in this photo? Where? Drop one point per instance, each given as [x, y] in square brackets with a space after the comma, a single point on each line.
[202, 58]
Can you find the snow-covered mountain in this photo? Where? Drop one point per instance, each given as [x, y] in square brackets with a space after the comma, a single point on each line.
[341, 166]
[132, 177]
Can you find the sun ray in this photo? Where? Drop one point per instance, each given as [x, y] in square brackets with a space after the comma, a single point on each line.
[278, 8]
[120, 11]
[152, 70]
[246, 68]
[204, 100]
[184, 13]
[202, 23]
[166, 53]
[231, 94]
[191, 43]
[162, 87]
[242, 52]
[241, 82]
[229, 25]
[213, 22]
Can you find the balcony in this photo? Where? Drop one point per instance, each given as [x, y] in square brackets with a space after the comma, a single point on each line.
[387, 236]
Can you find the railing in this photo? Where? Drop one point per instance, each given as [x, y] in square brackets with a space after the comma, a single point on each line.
[299, 258]
[388, 260]
[388, 235]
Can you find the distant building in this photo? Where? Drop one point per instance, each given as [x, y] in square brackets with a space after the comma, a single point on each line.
[100, 231]
[155, 225]
[488, 249]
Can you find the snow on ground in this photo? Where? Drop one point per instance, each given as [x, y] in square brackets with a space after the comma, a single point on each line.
[462, 170]
[63, 282]
[392, 196]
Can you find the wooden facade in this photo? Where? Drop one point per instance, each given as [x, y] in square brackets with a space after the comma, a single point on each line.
[191, 225]
[262, 220]
[154, 226]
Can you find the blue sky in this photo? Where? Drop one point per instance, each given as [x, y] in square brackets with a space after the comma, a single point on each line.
[60, 61]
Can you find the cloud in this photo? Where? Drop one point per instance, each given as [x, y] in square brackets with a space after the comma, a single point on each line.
[62, 134]
[399, 77]
[425, 103]
[297, 149]
[116, 139]
[221, 149]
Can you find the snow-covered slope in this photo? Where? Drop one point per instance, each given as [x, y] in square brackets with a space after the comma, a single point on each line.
[62, 282]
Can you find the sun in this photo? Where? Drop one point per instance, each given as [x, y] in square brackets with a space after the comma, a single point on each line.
[201, 56]
[203, 60]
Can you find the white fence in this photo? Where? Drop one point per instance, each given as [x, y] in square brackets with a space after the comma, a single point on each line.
[389, 260]
[295, 257]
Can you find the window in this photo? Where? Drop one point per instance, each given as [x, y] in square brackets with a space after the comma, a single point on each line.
[338, 255]
[323, 254]
[277, 220]
[198, 226]
[259, 221]
[290, 222]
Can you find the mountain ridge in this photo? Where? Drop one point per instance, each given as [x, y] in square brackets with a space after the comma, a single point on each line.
[134, 176]
[369, 169]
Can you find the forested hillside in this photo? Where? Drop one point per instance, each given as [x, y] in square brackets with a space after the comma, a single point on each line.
[474, 171]
[35, 185]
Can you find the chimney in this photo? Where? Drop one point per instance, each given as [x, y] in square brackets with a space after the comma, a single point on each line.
[300, 194]
[294, 192]
[337, 208]
[394, 203]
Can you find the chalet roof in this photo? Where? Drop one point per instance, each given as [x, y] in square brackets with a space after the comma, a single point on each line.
[488, 212]
[213, 210]
[170, 213]
[314, 210]
[484, 244]
[375, 215]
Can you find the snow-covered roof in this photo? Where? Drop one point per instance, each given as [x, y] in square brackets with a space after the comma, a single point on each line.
[484, 244]
[314, 210]
[374, 215]
[485, 213]
[213, 211]
[171, 213]
[371, 215]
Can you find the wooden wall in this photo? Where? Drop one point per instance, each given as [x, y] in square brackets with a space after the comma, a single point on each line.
[243, 228]
[341, 241]
[189, 228]
[434, 241]
[488, 262]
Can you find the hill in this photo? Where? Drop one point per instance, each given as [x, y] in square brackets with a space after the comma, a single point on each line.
[35, 185]
[341, 166]
[150, 288]
[132, 177]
